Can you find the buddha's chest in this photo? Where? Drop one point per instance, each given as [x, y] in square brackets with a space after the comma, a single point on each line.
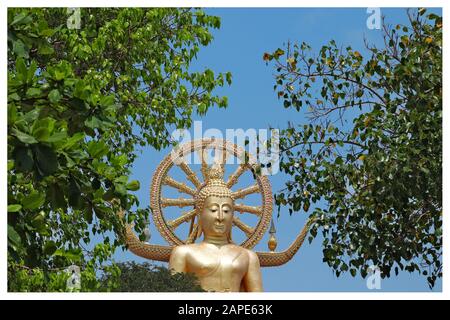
[225, 263]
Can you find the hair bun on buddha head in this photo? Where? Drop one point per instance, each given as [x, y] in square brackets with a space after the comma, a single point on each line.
[216, 172]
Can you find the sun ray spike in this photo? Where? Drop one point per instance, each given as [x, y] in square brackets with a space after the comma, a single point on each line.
[183, 218]
[190, 174]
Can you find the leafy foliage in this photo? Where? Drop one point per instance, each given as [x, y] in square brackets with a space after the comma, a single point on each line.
[80, 102]
[145, 277]
[370, 156]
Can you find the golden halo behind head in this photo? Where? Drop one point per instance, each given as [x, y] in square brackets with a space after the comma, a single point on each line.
[213, 185]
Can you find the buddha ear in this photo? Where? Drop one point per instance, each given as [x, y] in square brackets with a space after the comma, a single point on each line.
[200, 229]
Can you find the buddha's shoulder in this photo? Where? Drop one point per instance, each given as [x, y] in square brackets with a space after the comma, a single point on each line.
[249, 253]
[185, 249]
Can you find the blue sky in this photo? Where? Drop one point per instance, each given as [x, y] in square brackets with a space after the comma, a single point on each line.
[238, 47]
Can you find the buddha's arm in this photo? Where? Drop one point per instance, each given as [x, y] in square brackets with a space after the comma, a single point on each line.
[177, 261]
[252, 279]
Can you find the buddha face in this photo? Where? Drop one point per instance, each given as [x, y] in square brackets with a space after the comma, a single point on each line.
[217, 216]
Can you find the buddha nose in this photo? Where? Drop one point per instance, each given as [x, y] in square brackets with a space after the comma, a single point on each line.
[220, 215]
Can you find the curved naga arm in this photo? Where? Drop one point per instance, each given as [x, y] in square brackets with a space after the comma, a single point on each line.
[162, 253]
[145, 250]
[272, 259]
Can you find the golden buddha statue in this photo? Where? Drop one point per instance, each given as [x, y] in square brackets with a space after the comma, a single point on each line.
[220, 264]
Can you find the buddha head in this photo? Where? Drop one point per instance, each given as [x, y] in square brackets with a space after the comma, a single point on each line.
[214, 204]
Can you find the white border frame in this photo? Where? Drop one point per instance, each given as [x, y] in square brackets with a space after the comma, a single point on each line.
[445, 294]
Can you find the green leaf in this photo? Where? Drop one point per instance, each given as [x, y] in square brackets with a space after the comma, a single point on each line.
[10, 164]
[21, 18]
[50, 248]
[46, 159]
[100, 211]
[47, 123]
[119, 161]
[133, 185]
[14, 207]
[54, 96]
[74, 193]
[38, 222]
[22, 70]
[31, 71]
[296, 205]
[228, 77]
[93, 123]
[57, 196]
[73, 255]
[12, 113]
[121, 179]
[20, 50]
[41, 133]
[120, 188]
[202, 108]
[23, 159]
[46, 50]
[97, 149]
[34, 92]
[306, 205]
[13, 236]
[33, 200]
[106, 101]
[57, 137]
[32, 115]
[25, 138]
[47, 32]
[279, 52]
[73, 140]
